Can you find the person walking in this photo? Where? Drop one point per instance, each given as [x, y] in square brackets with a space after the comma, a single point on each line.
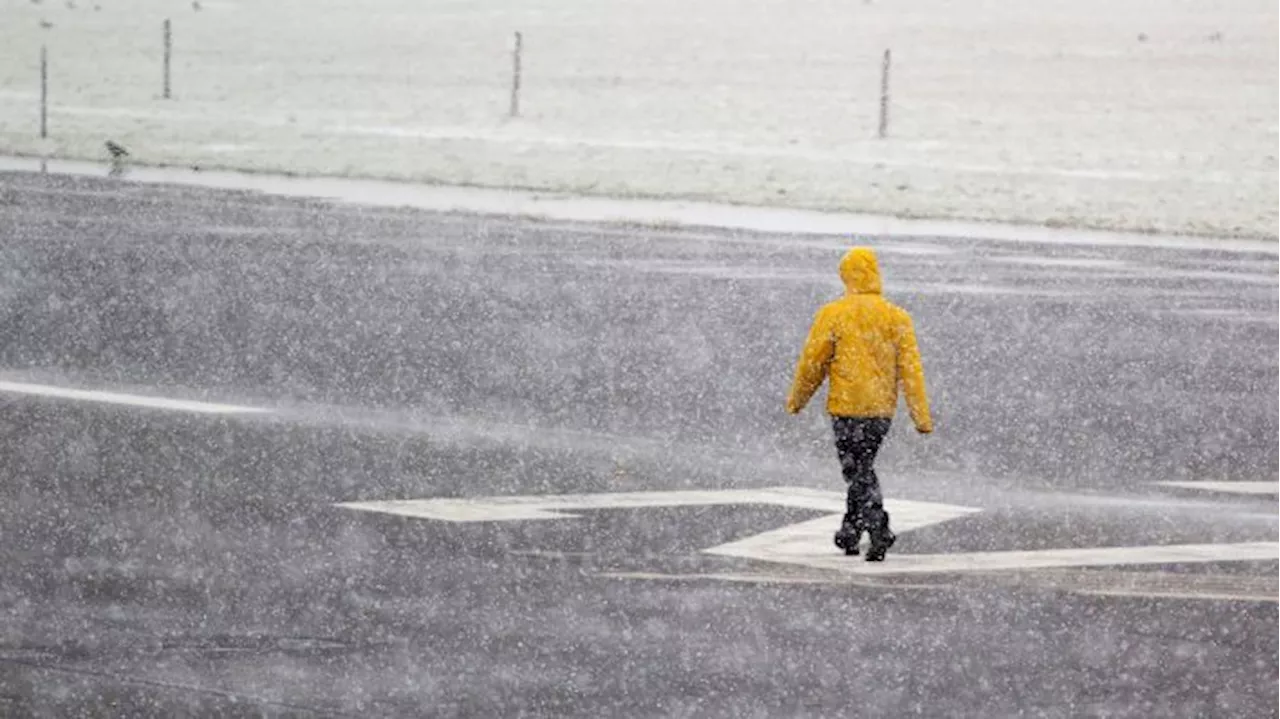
[867, 346]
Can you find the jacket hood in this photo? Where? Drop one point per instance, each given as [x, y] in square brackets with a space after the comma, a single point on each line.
[860, 272]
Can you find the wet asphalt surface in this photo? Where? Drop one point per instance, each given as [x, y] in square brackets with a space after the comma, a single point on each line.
[166, 563]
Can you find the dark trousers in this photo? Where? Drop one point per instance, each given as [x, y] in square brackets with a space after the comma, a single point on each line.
[857, 442]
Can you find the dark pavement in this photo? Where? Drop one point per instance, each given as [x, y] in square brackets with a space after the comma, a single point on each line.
[171, 563]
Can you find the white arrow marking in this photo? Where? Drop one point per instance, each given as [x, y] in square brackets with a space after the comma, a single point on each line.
[809, 543]
[810, 551]
[1231, 487]
[907, 515]
[135, 400]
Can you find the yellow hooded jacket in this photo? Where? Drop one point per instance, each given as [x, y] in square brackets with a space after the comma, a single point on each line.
[867, 345]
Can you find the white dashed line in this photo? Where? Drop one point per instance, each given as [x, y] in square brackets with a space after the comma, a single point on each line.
[134, 400]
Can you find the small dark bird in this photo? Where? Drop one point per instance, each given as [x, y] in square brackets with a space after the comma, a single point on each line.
[46, 24]
[117, 151]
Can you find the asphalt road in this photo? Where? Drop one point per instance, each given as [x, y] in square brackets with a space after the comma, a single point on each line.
[166, 562]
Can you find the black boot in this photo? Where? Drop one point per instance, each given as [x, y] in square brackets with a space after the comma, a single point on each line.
[881, 540]
[848, 538]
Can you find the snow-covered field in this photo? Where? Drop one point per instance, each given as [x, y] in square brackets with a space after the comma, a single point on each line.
[1125, 114]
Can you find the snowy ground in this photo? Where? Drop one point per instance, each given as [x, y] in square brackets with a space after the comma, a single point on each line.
[1047, 112]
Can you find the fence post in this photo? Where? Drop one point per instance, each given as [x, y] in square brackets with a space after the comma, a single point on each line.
[884, 96]
[515, 76]
[44, 92]
[168, 55]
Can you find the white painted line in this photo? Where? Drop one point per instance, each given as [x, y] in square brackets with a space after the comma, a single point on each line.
[808, 543]
[1229, 487]
[1248, 591]
[513, 508]
[1001, 561]
[134, 400]
[797, 543]
[906, 514]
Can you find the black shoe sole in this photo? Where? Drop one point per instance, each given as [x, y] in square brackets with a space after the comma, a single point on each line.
[849, 543]
[879, 547]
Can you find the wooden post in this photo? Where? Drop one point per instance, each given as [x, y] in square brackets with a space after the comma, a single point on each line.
[885, 68]
[515, 76]
[44, 92]
[168, 55]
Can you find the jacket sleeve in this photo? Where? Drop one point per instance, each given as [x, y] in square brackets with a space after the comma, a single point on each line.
[815, 358]
[911, 375]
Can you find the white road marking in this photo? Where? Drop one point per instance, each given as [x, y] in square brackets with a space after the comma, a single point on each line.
[1229, 487]
[808, 543]
[807, 554]
[134, 400]
[1097, 582]
[906, 514]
